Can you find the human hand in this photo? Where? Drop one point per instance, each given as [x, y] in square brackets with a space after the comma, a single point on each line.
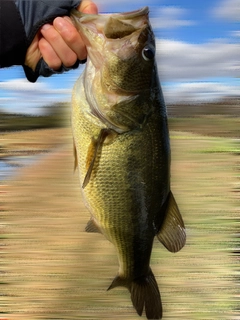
[59, 43]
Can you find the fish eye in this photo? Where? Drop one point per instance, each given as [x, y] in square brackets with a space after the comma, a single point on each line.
[148, 53]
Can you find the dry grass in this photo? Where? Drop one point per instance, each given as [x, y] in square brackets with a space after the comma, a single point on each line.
[51, 269]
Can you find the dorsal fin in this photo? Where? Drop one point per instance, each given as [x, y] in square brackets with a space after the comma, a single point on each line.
[172, 232]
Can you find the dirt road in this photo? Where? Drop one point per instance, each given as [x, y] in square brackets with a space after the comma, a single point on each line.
[51, 269]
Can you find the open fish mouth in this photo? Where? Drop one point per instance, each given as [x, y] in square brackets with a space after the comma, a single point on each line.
[96, 28]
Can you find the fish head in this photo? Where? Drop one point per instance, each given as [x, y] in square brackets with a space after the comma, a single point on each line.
[120, 67]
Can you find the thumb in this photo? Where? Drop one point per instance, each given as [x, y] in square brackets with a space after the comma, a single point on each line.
[87, 6]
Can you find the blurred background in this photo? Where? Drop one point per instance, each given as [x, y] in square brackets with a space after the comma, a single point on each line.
[50, 268]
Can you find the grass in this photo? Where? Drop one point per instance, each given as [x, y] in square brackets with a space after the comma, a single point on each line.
[209, 125]
[51, 269]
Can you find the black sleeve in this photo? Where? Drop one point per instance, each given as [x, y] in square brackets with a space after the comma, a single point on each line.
[13, 41]
[19, 22]
[35, 13]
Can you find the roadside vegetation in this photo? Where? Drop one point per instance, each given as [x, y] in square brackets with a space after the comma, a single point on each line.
[57, 116]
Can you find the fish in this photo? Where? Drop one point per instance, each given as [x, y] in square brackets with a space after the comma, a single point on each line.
[122, 149]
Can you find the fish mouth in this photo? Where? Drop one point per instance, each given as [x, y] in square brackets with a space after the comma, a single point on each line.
[99, 25]
[97, 29]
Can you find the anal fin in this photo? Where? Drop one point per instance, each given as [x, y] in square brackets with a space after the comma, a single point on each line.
[172, 232]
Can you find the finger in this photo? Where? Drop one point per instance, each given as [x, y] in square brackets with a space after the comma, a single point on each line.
[49, 55]
[33, 54]
[87, 6]
[62, 50]
[71, 36]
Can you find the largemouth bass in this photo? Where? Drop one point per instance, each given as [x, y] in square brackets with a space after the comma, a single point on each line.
[122, 149]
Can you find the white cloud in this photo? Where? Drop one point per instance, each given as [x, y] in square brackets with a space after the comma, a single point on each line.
[21, 96]
[235, 33]
[19, 83]
[24, 86]
[228, 9]
[184, 61]
[195, 92]
[169, 17]
[188, 66]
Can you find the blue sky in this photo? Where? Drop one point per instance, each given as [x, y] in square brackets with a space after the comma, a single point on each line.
[198, 55]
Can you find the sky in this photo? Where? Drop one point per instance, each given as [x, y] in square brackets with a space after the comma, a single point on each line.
[198, 56]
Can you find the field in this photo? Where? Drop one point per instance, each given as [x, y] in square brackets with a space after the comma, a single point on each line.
[51, 269]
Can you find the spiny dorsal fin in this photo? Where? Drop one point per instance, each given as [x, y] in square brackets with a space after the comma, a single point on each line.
[97, 146]
[75, 156]
[172, 233]
[92, 226]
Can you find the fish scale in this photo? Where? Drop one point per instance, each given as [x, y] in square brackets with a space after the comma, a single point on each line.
[123, 153]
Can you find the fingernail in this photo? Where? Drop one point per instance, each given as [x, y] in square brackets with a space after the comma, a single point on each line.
[60, 24]
[46, 26]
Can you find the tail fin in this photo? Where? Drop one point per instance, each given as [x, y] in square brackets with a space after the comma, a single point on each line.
[144, 293]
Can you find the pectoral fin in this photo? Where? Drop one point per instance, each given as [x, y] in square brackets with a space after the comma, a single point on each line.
[172, 232]
[95, 148]
[75, 156]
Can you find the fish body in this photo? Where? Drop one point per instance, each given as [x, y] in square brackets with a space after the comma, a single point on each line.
[122, 149]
